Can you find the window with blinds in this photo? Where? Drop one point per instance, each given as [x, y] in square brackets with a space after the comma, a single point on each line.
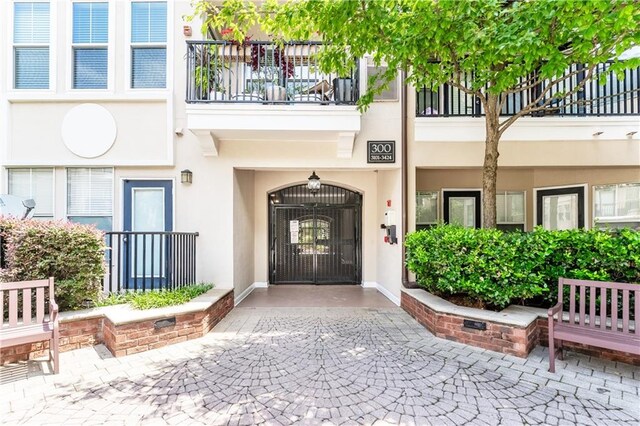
[31, 45]
[510, 210]
[90, 45]
[426, 209]
[148, 44]
[90, 196]
[36, 184]
[616, 206]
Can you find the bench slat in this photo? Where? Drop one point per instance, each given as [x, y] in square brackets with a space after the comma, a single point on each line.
[24, 284]
[637, 311]
[598, 338]
[13, 308]
[582, 303]
[599, 284]
[26, 306]
[39, 304]
[614, 309]
[592, 307]
[625, 311]
[572, 304]
[26, 334]
[603, 308]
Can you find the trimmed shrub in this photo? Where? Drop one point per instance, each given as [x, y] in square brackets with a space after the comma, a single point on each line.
[71, 253]
[156, 298]
[500, 268]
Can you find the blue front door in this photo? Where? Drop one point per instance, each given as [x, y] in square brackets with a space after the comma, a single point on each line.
[148, 215]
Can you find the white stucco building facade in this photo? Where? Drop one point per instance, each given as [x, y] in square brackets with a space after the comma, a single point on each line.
[99, 117]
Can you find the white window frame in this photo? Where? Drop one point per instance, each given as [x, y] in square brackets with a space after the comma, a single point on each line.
[611, 219]
[129, 46]
[524, 206]
[437, 193]
[53, 187]
[66, 192]
[587, 222]
[53, 54]
[111, 6]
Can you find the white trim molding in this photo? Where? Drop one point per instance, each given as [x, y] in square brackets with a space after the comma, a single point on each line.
[247, 291]
[382, 289]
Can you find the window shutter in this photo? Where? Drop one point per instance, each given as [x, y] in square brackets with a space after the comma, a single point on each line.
[90, 192]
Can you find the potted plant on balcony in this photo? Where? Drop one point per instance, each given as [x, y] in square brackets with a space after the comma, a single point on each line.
[271, 68]
[209, 74]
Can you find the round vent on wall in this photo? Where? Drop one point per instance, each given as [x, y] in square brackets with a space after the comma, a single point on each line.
[88, 130]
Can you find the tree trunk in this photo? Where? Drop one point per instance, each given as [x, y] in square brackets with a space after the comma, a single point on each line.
[490, 167]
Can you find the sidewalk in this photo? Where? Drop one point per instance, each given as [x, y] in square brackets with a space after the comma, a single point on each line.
[320, 366]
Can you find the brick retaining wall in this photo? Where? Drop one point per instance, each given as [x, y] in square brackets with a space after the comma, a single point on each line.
[124, 339]
[512, 340]
[499, 337]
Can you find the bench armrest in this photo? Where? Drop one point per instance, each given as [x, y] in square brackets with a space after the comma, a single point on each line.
[53, 311]
[554, 310]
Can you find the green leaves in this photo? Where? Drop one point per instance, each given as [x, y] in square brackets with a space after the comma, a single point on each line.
[502, 268]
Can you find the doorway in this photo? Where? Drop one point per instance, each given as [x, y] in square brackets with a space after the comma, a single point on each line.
[315, 238]
[148, 215]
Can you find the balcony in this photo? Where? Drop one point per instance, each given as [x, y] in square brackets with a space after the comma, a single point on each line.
[260, 90]
[607, 111]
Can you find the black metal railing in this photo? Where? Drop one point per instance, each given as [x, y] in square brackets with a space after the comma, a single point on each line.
[264, 72]
[150, 260]
[619, 96]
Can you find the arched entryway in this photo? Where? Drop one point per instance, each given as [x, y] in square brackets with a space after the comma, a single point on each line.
[315, 238]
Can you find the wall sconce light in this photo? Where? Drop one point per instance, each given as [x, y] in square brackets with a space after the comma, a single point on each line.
[314, 183]
[598, 133]
[186, 176]
[186, 30]
[631, 133]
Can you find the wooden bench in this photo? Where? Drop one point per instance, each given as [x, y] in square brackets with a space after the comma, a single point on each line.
[27, 330]
[601, 329]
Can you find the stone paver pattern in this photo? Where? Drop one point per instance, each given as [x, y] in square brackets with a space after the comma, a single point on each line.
[342, 366]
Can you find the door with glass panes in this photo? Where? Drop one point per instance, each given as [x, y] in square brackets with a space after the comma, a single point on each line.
[148, 216]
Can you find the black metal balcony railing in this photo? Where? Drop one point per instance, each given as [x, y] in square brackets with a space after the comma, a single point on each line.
[263, 72]
[619, 97]
[150, 260]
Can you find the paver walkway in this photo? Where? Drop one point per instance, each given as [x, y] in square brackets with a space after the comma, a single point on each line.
[323, 366]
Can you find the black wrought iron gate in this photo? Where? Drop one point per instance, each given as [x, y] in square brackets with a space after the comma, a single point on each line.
[315, 238]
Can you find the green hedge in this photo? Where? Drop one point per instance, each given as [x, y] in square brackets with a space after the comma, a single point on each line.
[501, 268]
[156, 298]
[71, 253]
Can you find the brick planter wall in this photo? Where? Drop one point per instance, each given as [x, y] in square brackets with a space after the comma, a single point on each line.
[73, 335]
[131, 338]
[512, 340]
[499, 337]
[124, 339]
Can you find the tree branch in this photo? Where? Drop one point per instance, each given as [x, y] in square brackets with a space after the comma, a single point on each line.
[534, 105]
